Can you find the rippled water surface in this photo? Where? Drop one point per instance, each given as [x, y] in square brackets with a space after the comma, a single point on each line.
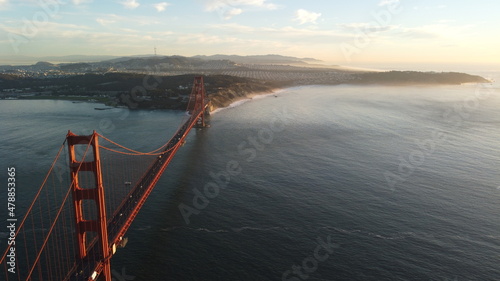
[396, 183]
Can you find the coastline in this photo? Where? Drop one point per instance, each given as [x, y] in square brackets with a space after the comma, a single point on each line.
[233, 98]
[232, 103]
[247, 98]
[277, 91]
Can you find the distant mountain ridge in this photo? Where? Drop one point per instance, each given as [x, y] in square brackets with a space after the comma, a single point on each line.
[29, 60]
[284, 70]
[167, 65]
[261, 59]
[254, 59]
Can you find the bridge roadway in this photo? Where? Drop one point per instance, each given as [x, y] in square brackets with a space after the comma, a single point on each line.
[129, 208]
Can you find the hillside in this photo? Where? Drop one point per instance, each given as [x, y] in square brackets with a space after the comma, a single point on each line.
[162, 92]
[417, 78]
[165, 82]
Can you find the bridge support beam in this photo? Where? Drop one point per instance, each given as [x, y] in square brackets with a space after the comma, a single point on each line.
[83, 196]
[197, 101]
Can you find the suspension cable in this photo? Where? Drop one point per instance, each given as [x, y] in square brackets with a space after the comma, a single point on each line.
[138, 153]
[56, 217]
[36, 197]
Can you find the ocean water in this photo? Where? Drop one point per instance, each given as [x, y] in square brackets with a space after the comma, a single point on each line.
[315, 183]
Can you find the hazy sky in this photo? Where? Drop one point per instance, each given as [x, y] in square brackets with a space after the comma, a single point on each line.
[331, 30]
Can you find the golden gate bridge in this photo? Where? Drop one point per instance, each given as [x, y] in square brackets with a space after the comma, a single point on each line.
[75, 224]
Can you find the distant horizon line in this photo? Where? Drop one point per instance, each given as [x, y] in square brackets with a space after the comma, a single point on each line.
[18, 57]
[80, 58]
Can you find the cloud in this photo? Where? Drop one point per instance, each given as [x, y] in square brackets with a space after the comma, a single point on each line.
[229, 8]
[392, 32]
[430, 7]
[419, 33]
[286, 33]
[446, 21]
[160, 7]
[130, 4]
[214, 5]
[304, 16]
[232, 12]
[233, 27]
[388, 2]
[105, 22]
[4, 4]
[312, 35]
[365, 27]
[441, 30]
[79, 2]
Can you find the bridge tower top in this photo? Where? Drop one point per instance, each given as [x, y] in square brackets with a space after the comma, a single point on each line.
[198, 101]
